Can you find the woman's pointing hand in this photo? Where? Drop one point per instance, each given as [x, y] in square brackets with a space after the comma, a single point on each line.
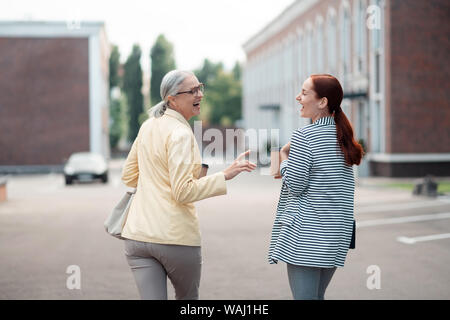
[239, 165]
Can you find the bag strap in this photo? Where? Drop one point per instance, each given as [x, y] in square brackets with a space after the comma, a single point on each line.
[132, 191]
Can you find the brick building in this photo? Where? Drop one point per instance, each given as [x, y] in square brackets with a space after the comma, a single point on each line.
[391, 57]
[54, 93]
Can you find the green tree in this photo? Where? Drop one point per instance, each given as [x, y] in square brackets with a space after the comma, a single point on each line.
[162, 61]
[237, 71]
[115, 107]
[224, 95]
[132, 86]
[222, 102]
[208, 72]
[114, 63]
[115, 128]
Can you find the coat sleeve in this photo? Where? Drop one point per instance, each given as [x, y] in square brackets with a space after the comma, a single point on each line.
[185, 188]
[296, 170]
[130, 172]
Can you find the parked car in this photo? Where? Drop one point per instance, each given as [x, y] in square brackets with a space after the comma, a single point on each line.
[86, 166]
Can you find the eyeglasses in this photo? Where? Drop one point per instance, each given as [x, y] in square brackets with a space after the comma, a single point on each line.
[194, 91]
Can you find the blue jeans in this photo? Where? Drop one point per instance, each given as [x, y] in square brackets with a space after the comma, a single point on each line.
[309, 283]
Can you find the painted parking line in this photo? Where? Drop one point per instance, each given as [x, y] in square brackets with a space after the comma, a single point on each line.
[402, 206]
[445, 198]
[408, 240]
[387, 221]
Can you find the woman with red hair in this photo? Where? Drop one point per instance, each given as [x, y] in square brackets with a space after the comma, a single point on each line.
[314, 224]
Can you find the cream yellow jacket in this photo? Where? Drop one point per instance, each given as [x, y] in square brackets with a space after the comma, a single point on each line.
[163, 165]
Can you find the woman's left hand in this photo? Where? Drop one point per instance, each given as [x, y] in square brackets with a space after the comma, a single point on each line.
[284, 152]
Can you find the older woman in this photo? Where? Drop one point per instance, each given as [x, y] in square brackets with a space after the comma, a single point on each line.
[164, 165]
[314, 222]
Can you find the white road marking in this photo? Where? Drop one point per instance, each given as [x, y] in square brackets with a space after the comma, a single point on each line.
[408, 240]
[386, 221]
[401, 206]
[444, 198]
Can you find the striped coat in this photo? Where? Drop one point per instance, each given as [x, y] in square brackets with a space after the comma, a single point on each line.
[314, 220]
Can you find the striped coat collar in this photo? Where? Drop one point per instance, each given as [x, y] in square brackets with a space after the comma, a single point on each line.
[325, 121]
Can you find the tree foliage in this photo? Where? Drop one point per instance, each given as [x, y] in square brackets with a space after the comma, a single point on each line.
[118, 120]
[237, 71]
[162, 61]
[115, 107]
[132, 86]
[208, 72]
[114, 63]
[222, 102]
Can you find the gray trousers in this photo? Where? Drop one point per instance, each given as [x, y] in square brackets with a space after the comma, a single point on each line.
[152, 263]
[309, 283]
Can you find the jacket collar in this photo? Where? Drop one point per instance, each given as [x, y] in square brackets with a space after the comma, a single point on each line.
[175, 114]
[325, 121]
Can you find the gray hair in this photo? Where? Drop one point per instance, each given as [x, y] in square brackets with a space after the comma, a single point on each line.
[170, 85]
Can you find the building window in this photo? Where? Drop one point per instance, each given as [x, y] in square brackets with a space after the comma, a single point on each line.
[289, 59]
[361, 114]
[377, 48]
[377, 102]
[300, 58]
[331, 44]
[360, 35]
[377, 73]
[345, 41]
[278, 67]
[309, 53]
[319, 48]
[376, 136]
[376, 32]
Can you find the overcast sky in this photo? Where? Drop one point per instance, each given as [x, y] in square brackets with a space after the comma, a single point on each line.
[214, 29]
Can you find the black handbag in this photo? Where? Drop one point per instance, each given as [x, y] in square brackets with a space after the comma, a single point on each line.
[352, 242]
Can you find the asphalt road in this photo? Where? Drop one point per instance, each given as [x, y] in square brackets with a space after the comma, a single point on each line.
[402, 248]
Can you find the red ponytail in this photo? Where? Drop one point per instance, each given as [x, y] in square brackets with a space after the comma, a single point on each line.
[327, 86]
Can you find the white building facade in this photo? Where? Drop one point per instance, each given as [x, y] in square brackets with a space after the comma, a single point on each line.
[339, 37]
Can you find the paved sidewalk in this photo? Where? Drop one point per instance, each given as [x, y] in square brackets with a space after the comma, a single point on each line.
[46, 226]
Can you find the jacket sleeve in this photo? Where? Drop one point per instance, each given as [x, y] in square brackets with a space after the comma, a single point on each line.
[185, 188]
[296, 170]
[130, 172]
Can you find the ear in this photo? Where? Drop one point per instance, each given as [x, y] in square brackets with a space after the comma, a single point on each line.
[171, 101]
[323, 103]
